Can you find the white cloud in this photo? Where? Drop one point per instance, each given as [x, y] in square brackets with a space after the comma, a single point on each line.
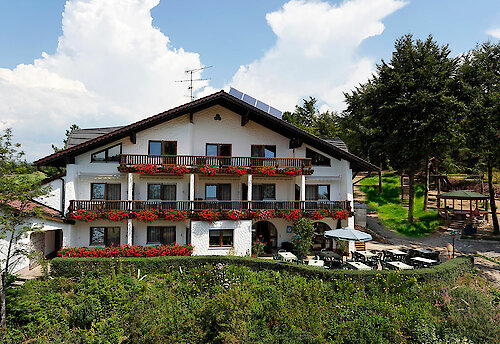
[315, 53]
[495, 33]
[111, 67]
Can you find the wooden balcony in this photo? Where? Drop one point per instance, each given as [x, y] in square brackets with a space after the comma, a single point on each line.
[102, 206]
[128, 161]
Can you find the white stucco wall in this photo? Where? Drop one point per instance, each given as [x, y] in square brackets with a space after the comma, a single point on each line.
[54, 197]
[242, 237]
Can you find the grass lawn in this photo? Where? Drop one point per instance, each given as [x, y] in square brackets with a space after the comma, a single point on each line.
[392, 212]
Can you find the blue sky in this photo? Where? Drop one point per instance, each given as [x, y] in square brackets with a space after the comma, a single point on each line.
[113, 67]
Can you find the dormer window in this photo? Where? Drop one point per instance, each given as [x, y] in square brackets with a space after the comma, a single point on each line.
[108, 154]
[317, 159]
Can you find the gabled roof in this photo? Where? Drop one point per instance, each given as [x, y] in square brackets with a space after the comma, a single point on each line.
[247, 111]
[79, 136]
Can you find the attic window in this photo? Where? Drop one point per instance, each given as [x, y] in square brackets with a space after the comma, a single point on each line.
[108, 154]
[317, 159]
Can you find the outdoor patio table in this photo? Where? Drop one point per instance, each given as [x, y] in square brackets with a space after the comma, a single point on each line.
[397, 252]
[424, 261]
[423, 250]
[316, 262]
[399, 265]
[329, 254]
[359, 266]
[367, 254]
[287, 256]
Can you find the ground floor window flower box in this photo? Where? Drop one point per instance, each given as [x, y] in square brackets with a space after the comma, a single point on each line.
[127, 251]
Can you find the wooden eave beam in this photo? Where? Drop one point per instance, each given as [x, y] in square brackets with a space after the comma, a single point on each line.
[245, 118]
[133, 137]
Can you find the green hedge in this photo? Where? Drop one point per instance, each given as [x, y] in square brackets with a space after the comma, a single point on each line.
[76, 267]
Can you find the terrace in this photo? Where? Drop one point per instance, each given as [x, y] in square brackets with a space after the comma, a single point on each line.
[129, 162]
[99, 205]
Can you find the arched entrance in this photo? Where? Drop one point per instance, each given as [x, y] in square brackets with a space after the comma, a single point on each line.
[319, 240]
[266, 232]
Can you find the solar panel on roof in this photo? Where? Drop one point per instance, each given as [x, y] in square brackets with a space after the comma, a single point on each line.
[262, 106]
[248, 99]
[234, 92]
[254, 102]
[275, 112]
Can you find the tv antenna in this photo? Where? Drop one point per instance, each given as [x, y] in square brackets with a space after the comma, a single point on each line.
[191, 80]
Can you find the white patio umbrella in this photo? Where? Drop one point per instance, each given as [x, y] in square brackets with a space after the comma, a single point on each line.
[349, 234]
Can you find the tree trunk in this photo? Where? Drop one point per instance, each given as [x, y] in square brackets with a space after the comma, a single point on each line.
[427, 180]
[3, 321]
[411, 195]
[402, 187]
[496, 229]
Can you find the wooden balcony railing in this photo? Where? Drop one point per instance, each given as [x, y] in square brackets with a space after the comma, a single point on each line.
[102, 206]
[129, 160]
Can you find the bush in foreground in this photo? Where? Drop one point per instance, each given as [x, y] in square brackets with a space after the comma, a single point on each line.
[127, 251]
[225, 303]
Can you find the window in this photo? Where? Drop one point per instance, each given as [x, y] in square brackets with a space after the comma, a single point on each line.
[108, 154]
[218, 149]
[161, 235]
[104, 191]
[317, 159]
[162, 192]
[263, 151]
[221, 237]
[263, 192]
[162, 148]
[104, 236]
[220, 192]
[317, 192]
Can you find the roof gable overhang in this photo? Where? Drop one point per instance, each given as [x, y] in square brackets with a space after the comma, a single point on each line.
[245, 110]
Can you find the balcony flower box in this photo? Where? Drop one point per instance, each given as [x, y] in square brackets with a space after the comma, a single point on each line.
[208, 170]
[127, 251]
[146, 215]
[237, 170]
[146, 168]
[178, 170]
[340, 214]
[84, 215]
[265, 171]
[116, 215]
[263, 214]
[236, 215]
[291, 215]
[317, 214]
[176, 215]
[209, 215]
[292, 171]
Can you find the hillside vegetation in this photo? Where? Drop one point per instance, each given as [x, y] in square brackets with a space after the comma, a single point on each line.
[223, 303]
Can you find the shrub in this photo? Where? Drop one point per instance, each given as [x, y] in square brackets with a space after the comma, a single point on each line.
[75, 267]
[304, 232]
[127, 251]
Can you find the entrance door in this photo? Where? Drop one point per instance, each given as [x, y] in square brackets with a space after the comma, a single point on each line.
[266, 232]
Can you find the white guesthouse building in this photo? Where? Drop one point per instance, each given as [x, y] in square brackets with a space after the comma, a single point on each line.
[283, 170]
